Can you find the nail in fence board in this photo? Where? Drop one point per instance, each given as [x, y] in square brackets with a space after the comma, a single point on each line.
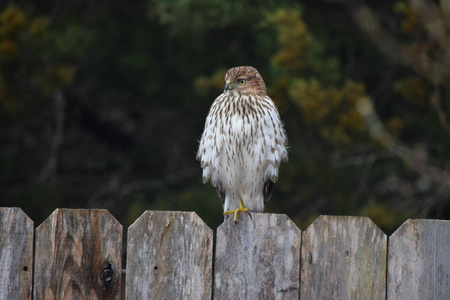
[257, 258]
[169, 256]
[343, 258]
[16, 254]
[78, 256]
[419, 260]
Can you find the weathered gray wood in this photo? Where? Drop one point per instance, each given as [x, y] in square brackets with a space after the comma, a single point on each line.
[16, 254]
[78, 256]
[169, 256]
[419, 260]
[257, 258]
[343, 258]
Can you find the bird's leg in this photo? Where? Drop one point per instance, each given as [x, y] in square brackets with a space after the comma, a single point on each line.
[235, 212]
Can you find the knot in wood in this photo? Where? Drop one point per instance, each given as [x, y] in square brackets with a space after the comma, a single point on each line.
[107, 275]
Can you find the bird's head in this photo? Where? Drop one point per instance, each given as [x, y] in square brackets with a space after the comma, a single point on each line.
[244, 80]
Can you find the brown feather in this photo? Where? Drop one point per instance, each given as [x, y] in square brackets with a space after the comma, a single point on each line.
[254, 83]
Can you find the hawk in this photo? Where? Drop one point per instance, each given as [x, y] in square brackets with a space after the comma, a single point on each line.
[243, 143]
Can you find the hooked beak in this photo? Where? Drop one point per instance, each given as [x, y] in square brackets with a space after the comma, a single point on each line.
[228, 85]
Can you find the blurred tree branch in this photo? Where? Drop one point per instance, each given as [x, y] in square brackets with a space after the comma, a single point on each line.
[436, 70]
[56, 139]
[429, 57]
[416, 158]
[435, 101]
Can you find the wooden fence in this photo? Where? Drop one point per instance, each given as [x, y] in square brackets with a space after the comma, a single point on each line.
[77, 254]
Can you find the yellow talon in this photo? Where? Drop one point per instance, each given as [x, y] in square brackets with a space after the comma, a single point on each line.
[235, 212]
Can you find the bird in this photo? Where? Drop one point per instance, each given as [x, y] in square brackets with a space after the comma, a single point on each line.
[243, 143]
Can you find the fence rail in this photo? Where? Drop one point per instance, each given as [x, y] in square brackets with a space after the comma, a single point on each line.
[170, 255]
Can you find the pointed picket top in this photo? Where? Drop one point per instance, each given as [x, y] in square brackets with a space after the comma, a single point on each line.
[16, 254]
[343, 258]
[419, 260]
[258, 257]
[169, 256]
[82, 248]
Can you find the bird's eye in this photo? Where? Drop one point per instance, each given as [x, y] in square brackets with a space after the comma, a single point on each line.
[242, 81]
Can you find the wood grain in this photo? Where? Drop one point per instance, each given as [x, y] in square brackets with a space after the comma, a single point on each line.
[419, 260]
[257, 258]
[78, 256]
[343, 258]
[169, 256]
[16, 254]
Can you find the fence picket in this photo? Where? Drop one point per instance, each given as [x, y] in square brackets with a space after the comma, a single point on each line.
[419, 260]
[16, 254]
[257, 258]
[78, 256]
[169, 256]
[343, 258]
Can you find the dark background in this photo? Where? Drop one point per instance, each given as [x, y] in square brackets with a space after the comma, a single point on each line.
[102, 104]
